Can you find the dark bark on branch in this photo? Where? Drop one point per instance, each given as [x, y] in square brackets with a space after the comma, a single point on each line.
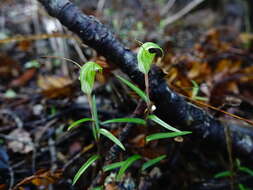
[170, 106]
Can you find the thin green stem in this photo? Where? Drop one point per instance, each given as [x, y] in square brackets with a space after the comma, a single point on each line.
[147, 92]
[66, 59]
[94, 128]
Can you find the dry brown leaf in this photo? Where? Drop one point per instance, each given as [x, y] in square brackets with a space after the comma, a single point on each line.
[111, 186]
[3, 187]
[139, 141]
[55, 86]
[8, 66]
[24, 45]
[24, 78]
[41, 178]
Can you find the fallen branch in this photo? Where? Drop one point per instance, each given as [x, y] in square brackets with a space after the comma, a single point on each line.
[170, 106]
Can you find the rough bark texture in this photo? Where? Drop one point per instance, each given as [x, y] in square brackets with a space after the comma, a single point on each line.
[170, 106]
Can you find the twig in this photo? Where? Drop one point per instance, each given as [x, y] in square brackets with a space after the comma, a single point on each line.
[13, 138]
[167, 7]
[182, 12]
[78, 49]
[20, 38]
[100, 5]
[229, 150]
[11, 172]
[77, 156]
[14, 116]
[53, 156]
[37, 141]
[115, 150]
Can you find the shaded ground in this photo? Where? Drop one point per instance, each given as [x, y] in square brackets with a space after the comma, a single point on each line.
[40, 96]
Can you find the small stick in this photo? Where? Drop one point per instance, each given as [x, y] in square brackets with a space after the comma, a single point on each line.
[182, 12]
[115, 150]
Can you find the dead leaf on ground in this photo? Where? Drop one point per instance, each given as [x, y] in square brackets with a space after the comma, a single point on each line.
[40, 178]
[25, 45]
[8, 66]
[111, 186]
[55, 86]
[3, 187]
[20, 141]
[24, 78]
[139, 141]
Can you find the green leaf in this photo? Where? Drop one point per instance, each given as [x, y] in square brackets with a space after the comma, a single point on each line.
[84, 167]
[32, 64]
[162, 123]
[195, 92]
[134, 88]
[223, 174]
[146, 55]
[127, 164]
[125, 120]
[113, 166]
[200, 98]
[10, 94]
[87, 76]
[110, 136]
[238, 163]
[152, 162]
[246, 170]
[78, 122]
[98, 188]
[157, 136]
[195, 89]
[242, 187]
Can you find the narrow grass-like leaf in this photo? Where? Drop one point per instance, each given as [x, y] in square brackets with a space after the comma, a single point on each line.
[84, 167]
[241, 187]
[157, 136]
[223, 174]
[97, 188]
[146, 55]
[127, 164]
[152, 162]
[200, 98]
[195, 92]
[134, 88]
[195, 89]
[87, 76]
[246, 170]
[110, 136]
[162, 123]
[113, 166]
[78, 122]
[238, 163]
[125, 120]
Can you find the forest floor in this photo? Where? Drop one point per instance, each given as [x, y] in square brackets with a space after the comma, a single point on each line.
[208, 61]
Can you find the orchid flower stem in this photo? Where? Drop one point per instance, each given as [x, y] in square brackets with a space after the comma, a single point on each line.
[147, 91]
[95, 132]
[95, 128]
